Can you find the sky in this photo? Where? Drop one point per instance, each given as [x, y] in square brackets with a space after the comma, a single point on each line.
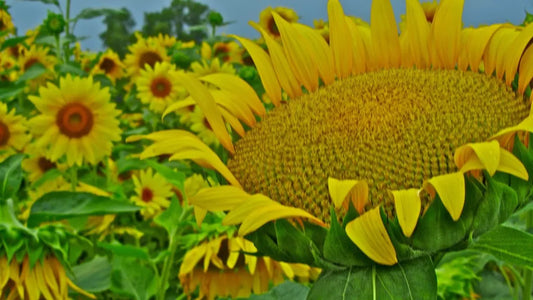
[29, 14]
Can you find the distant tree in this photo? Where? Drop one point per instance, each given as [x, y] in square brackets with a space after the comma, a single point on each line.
[119, 33]
[185, 19]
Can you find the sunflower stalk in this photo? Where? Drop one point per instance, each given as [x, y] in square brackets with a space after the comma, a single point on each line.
[73, 177]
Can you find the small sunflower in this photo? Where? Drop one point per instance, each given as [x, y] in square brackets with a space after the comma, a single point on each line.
[36, 164]
[158, 87]
[13, 131]
[163, 39]
[37, 54]
[77, 119]
[267, 22]
[6, 24]
[396, 126]
[222, 267]
[152, 193]
[46, 279]
[229, 52]
[110, 65]
[205, 68]
[142, 53]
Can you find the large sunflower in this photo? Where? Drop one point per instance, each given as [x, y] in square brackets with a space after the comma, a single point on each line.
[389, 129]
[77, 119]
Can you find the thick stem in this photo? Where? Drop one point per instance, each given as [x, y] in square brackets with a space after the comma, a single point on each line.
[166, 268]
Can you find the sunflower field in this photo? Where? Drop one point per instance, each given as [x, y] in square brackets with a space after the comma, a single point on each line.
[349, 160]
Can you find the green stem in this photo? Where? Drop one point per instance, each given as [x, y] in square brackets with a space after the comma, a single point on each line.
[67, 30]
[73, 177]
[58, 47]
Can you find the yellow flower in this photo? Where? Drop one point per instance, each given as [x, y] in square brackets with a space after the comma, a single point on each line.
[143, 53]
[163, 39]
[152, 193]
[37, 54]
[158, 87]
[77, 119]
[47, 279]
[6, 24]
[386, 122]
[221, 268]
[110, 65]
[36, 164]
[205, 68]
[229, 52]
[13, 131]
[267, 22]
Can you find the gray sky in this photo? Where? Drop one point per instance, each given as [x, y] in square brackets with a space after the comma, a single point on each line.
[29, 14]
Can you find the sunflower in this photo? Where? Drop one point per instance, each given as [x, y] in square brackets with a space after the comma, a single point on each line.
[221, 267]
[267, 22]
[389, 130]
[144, 52]
[152, 193]
[110, 65]
[36, 164]
[205, 68]
[229, 52]
[158, 87]
[37, 54]
[6, 24]
[163, 39]
[77, 119]
[13, 131]
[46, 278]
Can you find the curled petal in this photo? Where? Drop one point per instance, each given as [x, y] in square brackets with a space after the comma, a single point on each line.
[488, 154]
[408, 205]
[451, 190]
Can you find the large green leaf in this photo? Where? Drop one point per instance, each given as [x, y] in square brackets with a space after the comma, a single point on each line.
[132, 277]
[34, 71]
[10, 176]
[170, 218]
[414, 279]
[93, 276]
[507, 244]
[12, 90]
[286, 291]
[54, 2]
[62, 205]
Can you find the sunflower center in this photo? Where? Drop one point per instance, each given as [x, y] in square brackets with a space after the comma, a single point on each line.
[393, 128]
[107, 65]
[4, 134]
[147, 195]
[74, 120]
[45, 165]
[149, 58]
[161, 87]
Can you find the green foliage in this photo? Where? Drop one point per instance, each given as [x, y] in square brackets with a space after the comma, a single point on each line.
[119, 32]
[94, 275]
[10, 176]
[288, 290]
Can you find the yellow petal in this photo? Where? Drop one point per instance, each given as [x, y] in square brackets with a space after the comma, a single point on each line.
[446, 32]
[233, 122]
[340, 40]
[525, 70]
[418, 33]
[488, 154]
[297, 49]
[208, 106]
[237, 87]
[385, 41]
[192, 257]
[512, 165]
[408, 205]
[505, 134]
[339, 189]
[322, 58]
[41, 282]
[178, 105]
[243, 210]
[515, 51]
[233, 104]
[462, 60]
[4, 274]
[199, 214]
[360, 55]
[265, 69]
[219, 198]
[285, 75]
[451, 190]
[369, 234]
[477, 43]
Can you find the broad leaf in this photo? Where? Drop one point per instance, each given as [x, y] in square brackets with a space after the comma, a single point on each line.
[414, 279]
[286, 291]
[34, 71]
[10, 176]
[507, 244]
[125, 250]
[93, 276]
[173, 177]
[133, 278]
[11, 90]
[170, 218]
[61, 205]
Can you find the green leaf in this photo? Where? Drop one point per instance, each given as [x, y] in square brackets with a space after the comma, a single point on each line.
[13, 42]
[34, 71]
[499, 203]
[436, 230]
[93, 276]
[54, 2]
[170, 218]
[293, 242]
[507, 244]
[173, 177]
[70, 68]
[10, 176]
[90, 13]
[125, 250]
[12, 90]
[134, 278]
[286, 291]
[61, 205]
[414, 279]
